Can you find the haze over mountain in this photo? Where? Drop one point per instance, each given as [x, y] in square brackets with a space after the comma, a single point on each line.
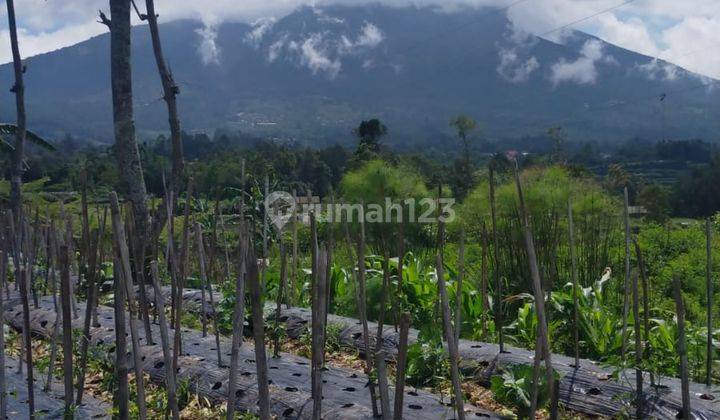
[314, 74]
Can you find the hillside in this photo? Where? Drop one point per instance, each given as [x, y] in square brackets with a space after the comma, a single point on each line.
[312, 75]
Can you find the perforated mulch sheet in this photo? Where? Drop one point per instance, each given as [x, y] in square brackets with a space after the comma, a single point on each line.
[48, 405]
[345, 394]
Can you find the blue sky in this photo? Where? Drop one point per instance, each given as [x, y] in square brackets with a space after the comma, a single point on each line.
[685, 32]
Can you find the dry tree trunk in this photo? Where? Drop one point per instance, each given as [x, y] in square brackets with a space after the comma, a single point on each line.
[126, 148]
[170, 383]
[21, 273]
[3, 276]
[626, 285]
[238, 323]
[496, 263]
[451, 343]
[318, 325]
[682, 351]
[92, 297]
[207, 283]
[19, 90]
[170, 92]
[537, 291]
[259, 334]
[638, 348]
[708, 280]
[458, 287]
[122, 396]
[401, 365]
[574, 273]
[124, 254]
[66, 327]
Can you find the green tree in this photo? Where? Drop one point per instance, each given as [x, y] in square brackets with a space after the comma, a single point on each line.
[369, 133]
[464, 125]
[656, 200]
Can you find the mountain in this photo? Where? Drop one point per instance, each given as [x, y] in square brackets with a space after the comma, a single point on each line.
[312, 75]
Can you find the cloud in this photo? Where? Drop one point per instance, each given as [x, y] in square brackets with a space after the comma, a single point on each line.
[317, 58]
[514, 69]
[657, 69]
[208, 49]
[260, 28]
[581, 71]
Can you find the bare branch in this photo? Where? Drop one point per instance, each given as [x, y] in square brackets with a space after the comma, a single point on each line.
[103, 19]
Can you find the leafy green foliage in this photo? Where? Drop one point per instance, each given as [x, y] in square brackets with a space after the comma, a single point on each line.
[514, 388]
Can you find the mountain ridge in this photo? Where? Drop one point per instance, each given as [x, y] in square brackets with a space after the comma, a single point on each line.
[314, 74]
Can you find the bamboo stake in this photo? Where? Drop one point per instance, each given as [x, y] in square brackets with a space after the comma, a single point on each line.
[259, 334]
[170, 383]
[458, 288]
[626, 286]
[685, 384]
[498, 306]
[208, 283]
[318, 326]
[638, 348]
[121, 398]
[573, 265]
[451, 343]
[203, 278]
[401, 365]
[708, 280]
[90, 306]
[238, 324]
[265, 233]
[537, 288]
[67, 327]
[124, 254]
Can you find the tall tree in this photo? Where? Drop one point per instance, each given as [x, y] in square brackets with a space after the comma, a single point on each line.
[126, 148]
[464, 125]
[19, 90]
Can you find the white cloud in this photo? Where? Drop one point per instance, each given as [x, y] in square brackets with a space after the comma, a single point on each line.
[514, 69]
[260, 28]
[657, 69]
[208, 49]
[582, 70]
[317, 58]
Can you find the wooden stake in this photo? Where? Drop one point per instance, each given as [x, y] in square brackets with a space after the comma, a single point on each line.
[498, 307]
[207, 283]
[53, 239]
[124, 259]
[318, 327]
[708, 280]
[686, 412]
[449, 336]
[638, 348]
[170, 383]
[573, 265]
[458, 288]
[238, 322]
[258, 333]
[281, 295]
[293, 283]
[401, 365]
[537, 287]
[3, 285]
[646, 304]
[90, 305]
[484, 282]
[626, 286]
[66, 327]
[379, 352]
[122, 396]
[180, 279]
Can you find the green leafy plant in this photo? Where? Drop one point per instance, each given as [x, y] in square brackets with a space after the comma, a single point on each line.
[513, 387]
